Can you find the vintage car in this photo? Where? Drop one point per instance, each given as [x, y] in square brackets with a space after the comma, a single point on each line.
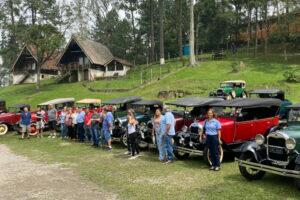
[90, 103]
[230, 90]
[120, 112]
[276, 153]
[273, 93]
[10, 120]
[144, 112]
[241, 121]
[2, 106]
[58, 104]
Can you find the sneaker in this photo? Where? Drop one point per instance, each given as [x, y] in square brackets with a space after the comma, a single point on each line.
[169, 162]
[53, 136]
[50, 136]
[109, 149]
[217, 169]
[212, 168]
[127, 153]
[133, 157]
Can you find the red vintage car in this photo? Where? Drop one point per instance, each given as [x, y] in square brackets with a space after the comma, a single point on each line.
[10, 120]
[241, 120]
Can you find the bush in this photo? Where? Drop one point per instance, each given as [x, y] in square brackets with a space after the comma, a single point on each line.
[292, 76]
[235, 67]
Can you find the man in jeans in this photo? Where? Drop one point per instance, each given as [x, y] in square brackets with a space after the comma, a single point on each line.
[52, 117]
[95, 120]
[169, 132]
[25, 122]
[107, 126]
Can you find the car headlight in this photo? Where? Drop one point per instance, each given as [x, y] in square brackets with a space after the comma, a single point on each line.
[290, 143]
[259, 139]
[184, 129]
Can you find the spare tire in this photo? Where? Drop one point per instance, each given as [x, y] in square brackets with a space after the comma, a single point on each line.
[3, 129]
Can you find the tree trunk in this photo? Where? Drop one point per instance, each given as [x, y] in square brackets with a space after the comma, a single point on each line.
[266, 21]
[249, 32]
[256, 32]
[192, 35]
[179, 9]
[38, 75]
[161, 31]
[133, 29]
[152, 41]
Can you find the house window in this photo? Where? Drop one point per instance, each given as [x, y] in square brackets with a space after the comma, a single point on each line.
[120, 67]
[111, 68]
[80, 61]
[42, 76]
[33, 66]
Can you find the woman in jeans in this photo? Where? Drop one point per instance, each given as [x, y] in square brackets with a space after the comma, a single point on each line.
[63, 126]
[132, 134]
[212, 130]
[69, 125]
[159, 135]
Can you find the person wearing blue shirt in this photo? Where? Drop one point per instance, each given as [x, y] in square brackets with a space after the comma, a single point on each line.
[212, 130]
[62, 118]
[107, 126]
[25, 122]
[168, 125]
[80, 124]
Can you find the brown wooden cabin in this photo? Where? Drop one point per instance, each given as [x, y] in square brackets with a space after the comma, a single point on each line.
[24, 69]
[86, 60]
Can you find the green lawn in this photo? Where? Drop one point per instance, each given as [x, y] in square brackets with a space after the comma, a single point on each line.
[146, 178]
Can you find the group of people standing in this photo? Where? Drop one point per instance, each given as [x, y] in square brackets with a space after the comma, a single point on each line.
[96, 126]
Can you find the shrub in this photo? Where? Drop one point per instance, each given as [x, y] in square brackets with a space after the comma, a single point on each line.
[292, 76]
[235, 67]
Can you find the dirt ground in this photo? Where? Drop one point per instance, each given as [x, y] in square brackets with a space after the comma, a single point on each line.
[21, 178]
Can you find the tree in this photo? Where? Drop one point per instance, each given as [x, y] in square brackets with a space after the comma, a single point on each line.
[179, 28]
[161, 31]
[192, 35]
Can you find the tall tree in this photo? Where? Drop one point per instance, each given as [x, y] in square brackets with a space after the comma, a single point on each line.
[161, 31]
[152, 36]
[179, 28]
[192, 35]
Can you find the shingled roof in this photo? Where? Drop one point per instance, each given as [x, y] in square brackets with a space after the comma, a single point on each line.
[50, 64]
[96, 52]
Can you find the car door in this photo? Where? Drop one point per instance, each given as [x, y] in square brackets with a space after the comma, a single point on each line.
[244, 126]
[265, 119]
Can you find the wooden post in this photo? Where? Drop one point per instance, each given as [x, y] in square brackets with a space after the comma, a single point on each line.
[150, 75]
[141, 77]
[159, 71]
[147, 61]
[169, 56]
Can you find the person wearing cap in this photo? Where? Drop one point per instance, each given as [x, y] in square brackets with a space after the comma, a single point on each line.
[80, 124]
[168, 128]
[107, 126]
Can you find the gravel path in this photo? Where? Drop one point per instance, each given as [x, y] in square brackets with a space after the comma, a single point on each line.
[21, 178]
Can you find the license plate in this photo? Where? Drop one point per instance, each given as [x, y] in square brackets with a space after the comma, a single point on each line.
[276, 150]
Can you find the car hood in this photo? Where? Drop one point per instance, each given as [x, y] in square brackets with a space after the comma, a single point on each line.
[5, 115]
[293, 131]
[123, 119]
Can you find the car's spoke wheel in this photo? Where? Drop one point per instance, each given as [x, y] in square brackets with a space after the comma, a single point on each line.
[124, 139]
[247, 172]
[244, 95]
[3, 129]
[297, 180]
[207, 157]
[229, 97]
[33, 130]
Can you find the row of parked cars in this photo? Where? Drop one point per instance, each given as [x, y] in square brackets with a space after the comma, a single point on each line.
[261, 132]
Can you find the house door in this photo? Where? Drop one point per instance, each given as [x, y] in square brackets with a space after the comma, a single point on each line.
[74, 76]
[86, 75]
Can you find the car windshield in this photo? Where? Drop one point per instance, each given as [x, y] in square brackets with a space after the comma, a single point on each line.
[14, 109]
[294, 116]
[224, 85]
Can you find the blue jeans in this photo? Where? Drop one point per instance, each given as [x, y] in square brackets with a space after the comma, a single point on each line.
[106, 135]
[168, 146]
[95, 135]
[160, 146]
[212, 142]
[80, 131]
[88, 132]
[63, 130]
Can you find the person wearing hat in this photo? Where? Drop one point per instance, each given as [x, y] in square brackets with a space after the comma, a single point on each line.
[107, 126]
[168, 128]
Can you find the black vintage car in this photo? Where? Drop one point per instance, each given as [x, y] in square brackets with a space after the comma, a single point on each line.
[273, 93]
[121, 105]
[144, 112]
[186, 140]
[277, 153]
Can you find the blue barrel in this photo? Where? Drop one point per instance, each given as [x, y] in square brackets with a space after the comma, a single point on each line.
[186, 50]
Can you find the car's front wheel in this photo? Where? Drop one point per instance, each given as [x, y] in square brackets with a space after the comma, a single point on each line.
[124, 139]
[33, 130]
[297, 180]
[3, 129]
[247, 172]
[207, 158]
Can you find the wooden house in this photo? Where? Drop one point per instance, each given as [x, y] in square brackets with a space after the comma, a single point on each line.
[86, 60]
[24, 68]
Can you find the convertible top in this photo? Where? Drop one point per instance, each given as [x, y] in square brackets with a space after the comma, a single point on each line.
[235, 81]
[195, 101]
[122, 100]
[20, 106]
[57, 101]
[89, 101]
[2, 100]
[148, 103]
[266, 91]
[248, 103]
[296, 105]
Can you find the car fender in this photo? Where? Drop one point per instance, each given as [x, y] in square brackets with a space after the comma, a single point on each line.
[250, 147]
[272, 129]
[297, 161]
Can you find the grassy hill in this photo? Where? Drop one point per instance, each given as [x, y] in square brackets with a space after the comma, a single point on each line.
[260, 72]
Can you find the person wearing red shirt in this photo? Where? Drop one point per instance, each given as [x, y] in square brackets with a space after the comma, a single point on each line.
[87, 123]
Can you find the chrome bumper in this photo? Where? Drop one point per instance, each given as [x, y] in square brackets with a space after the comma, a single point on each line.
[270, 169]
[190, 151]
